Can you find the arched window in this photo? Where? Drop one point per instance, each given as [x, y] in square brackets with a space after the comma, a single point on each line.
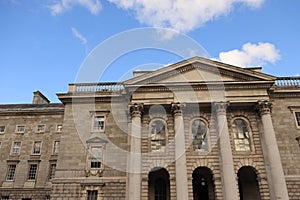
[248, 184]
[158, 135]
[199, 132]
[159, 184]
[241, 135]
[203, 184]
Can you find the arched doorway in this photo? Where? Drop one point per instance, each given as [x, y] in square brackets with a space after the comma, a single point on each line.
[248, 184]
[159, 184]
[203, 185]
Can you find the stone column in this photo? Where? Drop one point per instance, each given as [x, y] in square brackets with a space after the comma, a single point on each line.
[227, 168]
[134, 163]
[180, 154]
[276, 179]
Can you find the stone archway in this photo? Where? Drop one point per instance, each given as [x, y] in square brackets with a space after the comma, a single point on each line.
[159, 184]
[203, 184]
[248, 184]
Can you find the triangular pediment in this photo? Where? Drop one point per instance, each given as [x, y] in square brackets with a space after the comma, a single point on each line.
[200, 70]
[96, 140]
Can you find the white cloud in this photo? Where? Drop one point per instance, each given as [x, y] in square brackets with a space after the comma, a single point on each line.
[251, 55]
[182, 15]
[78, 35]
[94, 6]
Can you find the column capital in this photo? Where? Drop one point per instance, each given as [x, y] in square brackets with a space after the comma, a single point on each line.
[264, 107]
[220, 107]
[136, 109]
[177, 108]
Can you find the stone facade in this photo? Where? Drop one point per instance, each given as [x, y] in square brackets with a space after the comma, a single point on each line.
[197, 128]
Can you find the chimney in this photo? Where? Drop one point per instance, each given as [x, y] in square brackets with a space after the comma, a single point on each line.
[39, 98]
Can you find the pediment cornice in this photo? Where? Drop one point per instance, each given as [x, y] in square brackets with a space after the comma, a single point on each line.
[218, 69]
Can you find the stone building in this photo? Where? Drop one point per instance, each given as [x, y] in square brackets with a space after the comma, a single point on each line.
[197, 129]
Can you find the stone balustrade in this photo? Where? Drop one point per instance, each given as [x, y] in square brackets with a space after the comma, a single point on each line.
[96, 87]
[287, 82]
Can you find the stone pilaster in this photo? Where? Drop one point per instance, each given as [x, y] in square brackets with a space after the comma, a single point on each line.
[180, 154]
[227, 168]
[134, 163]
[276, 179]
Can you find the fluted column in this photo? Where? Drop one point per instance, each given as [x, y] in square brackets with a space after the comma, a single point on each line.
[180, 155]
[134, 162]
[227, 169]
[276, 179]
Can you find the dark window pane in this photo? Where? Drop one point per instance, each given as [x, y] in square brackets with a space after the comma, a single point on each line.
[92, 194]
[160, 188]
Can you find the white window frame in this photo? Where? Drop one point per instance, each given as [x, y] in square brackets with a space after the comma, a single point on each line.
[294, 110]
[14, 147]
[30, 174]
[10, 175]
[2, 131]
[297, 121]
[38, 130]
[52, 170]
[59, 128]
[56, 145]
[95, 143]
[94, 158]
[97, 128]
[20, 131]
[40, 148]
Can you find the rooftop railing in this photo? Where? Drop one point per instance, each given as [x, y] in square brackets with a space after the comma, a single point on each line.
[287, 82]
[97, 87]
[119, 87]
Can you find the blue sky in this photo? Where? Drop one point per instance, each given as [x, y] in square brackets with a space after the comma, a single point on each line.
[44, 43]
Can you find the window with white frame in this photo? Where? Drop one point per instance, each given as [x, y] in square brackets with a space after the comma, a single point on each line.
[20, 129]
[241, 135]
[16, 148]
[199, 133]
[5, 197]
[158, 135]
[41, 128]
[56, 147]
[92, 195]
[297, 118]
[47, 197]
[96, 156]
[32, 171]
[99, 123]
[11, 172]
[52, 170]
[59, 128]
[37, 147]
[2, 129]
